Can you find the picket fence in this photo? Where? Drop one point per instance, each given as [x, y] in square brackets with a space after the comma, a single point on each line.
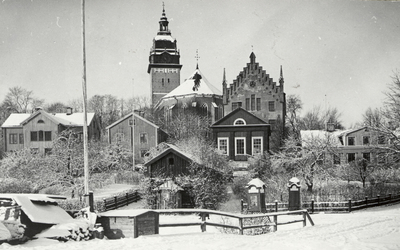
[341, 206]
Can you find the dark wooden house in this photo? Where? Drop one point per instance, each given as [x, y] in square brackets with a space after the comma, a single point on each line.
[170, 162]
[240, 134]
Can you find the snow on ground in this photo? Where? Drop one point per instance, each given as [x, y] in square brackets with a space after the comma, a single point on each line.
[375, 228]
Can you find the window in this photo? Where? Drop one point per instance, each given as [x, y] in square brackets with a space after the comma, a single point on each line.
[223, 145]
[240, 145]
[365, 140]
[258, 104]
[247, 103]
[143, 153]
[336, 159]
[143, 138]
[34, 136]
[41, 135]
[253, 102]
[257, 145]
[47, 136]
[381, 139]
[204, 109]
[40, 121]
[236, 105]
[171, 161]
[351, 157]
[13, 138]
[239, 122]
[367, 156]
[350, 141]
[271, 105]
[21, 138]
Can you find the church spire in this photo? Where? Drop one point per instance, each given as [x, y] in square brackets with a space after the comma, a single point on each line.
[281, 80]
[197, 59]
[164, 23]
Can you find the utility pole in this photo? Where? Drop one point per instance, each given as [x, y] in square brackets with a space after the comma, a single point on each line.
[85, 130]
[132, 123]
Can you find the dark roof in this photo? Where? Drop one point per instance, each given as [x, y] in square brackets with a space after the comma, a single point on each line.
[237, 111]
[173, 149]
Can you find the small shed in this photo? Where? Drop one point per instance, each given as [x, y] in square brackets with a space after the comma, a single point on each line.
[169, 195]
[119, 224]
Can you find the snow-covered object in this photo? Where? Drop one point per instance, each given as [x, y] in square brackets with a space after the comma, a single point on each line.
[75, 229]
[15, 228]
[4, 232]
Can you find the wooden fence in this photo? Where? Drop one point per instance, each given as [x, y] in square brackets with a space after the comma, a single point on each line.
[243, 220]
[342, 206]
[120, 200]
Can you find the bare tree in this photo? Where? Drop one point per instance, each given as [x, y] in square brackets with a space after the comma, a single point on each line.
[20, 100]
[294, 106]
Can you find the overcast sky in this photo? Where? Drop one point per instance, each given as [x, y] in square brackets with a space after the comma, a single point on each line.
[334, 53]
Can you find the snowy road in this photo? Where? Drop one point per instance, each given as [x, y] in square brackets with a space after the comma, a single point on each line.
[376, 228]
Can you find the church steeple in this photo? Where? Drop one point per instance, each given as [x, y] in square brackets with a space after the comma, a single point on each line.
[224, 89]
[281, 80]
[163, 24]
[164, 67]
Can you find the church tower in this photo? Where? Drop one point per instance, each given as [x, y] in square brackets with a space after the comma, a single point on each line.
[164, 67]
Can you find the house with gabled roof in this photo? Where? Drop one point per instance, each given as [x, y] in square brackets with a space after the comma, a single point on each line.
[135, 131]
[38, 129]
[241, 134]
[351, 144]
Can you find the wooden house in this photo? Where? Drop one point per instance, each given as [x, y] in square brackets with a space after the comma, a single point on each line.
[170, 162]
[135, 130]
[240, 134]
[38, 130]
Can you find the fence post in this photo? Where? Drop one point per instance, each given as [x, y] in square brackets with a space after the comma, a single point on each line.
[390, 196]
[312, 206]
[127, 198]
[378, 196]
[276, 205]
[115, 202]
[91, 202]
[241, 205]
[304, 219]
[349, 205]
[276, 223]
[241, 226]
[203, 222]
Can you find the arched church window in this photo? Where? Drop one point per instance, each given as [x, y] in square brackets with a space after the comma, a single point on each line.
[204, 109]
[40, 121]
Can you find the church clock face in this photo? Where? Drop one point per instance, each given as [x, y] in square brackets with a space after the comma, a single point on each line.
[165, 58]
[252, 84]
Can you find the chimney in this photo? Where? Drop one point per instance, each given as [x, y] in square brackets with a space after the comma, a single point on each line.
[69, 111]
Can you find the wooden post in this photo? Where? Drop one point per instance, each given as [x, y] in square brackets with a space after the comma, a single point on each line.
[203, 222]
[378, 196]
[241, 206]
[349, 205]
[127, 198]
[312, 206]
[115, 202]
[276, 223]
[366, 200]
[276, 205]
[304, 219]
[390, 196]
[241, 226]
[91, 202]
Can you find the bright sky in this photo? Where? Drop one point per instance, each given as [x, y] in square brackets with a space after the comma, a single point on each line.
[334, 53]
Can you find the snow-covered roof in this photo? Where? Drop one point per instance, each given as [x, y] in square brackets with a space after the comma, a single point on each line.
[124, 213]
[40, 208]
[186, 88]
[129, 116]
[15, 120]
[164, 37]
[74, 119]
[308, 136]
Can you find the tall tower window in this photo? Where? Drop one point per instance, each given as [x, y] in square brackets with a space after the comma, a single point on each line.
[253, 102]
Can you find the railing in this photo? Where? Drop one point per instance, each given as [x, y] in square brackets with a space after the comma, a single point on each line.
[242, 225]
[120, 200]
[341, 206]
